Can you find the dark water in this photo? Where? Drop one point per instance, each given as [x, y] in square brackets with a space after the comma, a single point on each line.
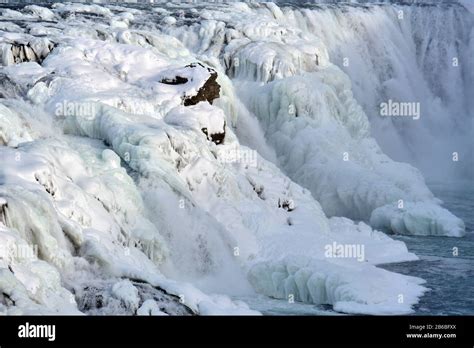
[450, 277]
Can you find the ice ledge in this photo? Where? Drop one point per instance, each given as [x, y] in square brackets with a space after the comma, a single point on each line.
[419, 218]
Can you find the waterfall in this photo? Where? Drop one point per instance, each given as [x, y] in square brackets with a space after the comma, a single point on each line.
[402, 53]
[390, 52]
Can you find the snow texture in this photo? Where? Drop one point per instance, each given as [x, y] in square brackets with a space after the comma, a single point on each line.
[115, 201]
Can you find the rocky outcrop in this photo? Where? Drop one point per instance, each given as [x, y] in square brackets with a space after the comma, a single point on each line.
[35, 50]
[286, 204]
[197, 77]
[208, 92]
[141, 298]
[177, 80]
[216, 138]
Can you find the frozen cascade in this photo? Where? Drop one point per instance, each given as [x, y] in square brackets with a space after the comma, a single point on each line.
[401, 53]
[132, 208]
[282, 61]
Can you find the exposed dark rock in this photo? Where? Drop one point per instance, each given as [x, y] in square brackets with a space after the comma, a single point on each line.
[178, 80]
[6, 300]
[3, 208]
[286, 204]
[208, 92]
[34, 51]
[258, 188]
[216, 138]
[24, 53]
[98, 300]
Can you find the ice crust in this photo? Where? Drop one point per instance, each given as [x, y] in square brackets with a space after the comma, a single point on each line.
[111, 177]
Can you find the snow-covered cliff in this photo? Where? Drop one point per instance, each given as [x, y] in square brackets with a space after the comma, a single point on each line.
[124, 190]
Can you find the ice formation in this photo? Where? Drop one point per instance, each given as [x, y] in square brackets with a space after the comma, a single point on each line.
[118, 196]
[283, 62]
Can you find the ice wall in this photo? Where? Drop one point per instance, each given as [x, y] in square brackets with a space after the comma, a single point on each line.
[282, 62]
[402, 53]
